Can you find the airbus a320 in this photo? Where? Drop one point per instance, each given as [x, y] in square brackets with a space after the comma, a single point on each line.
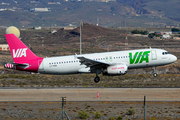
[107, 63]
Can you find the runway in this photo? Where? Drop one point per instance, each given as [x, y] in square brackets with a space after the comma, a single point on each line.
[90, 94]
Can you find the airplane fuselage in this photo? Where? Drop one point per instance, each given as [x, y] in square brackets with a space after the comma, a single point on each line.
[140, 58]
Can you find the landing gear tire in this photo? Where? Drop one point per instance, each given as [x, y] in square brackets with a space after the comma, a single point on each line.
[155, 74]
[96, 79]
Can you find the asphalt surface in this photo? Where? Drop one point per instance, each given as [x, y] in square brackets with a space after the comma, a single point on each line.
[90, 94]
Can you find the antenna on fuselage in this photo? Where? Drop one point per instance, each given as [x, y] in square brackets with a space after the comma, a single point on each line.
[75, 56]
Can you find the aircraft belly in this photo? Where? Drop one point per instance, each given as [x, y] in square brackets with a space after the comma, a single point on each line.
[138, 66]
[61, 69]
[68, 69]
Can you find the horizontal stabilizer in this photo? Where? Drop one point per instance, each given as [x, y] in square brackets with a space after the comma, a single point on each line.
[13, 65]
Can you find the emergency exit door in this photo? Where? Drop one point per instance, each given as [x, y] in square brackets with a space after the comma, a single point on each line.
[153, 54]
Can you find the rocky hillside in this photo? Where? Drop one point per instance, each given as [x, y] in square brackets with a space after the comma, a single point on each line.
[118, 13]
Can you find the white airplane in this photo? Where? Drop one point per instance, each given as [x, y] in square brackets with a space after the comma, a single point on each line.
[107, 63]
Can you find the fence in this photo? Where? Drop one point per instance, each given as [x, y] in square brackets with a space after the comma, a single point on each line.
[106, 110]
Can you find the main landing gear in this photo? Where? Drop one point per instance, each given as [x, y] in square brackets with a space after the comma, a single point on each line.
[154, 72]
[97, 79]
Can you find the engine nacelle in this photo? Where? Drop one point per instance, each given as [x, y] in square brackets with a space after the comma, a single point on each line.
[120, 69]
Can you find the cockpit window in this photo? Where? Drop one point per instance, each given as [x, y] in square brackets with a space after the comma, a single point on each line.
[165, 53]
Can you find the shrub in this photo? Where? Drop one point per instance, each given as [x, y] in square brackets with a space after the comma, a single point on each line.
[111, 118]
[106, 85]
[82, 115]
[98, 115]
[175, 30]
[139, 32]
[130, 111]
[153, 118]
[119, 118]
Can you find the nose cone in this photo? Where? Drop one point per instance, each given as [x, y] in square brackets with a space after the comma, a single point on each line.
[173, 58]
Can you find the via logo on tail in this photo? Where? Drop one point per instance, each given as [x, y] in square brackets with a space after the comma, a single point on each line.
[19, 53]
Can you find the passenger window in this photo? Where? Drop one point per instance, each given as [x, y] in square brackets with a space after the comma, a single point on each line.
[110, 58]
[49, 63]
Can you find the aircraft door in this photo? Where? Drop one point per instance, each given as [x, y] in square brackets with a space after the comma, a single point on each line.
[153, 54]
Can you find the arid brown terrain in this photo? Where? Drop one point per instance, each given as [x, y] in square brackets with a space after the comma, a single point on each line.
[94, 39]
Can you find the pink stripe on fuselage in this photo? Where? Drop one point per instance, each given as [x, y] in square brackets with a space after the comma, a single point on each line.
[33, 65]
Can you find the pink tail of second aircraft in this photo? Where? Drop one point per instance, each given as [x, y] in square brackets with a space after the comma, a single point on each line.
[24, 58]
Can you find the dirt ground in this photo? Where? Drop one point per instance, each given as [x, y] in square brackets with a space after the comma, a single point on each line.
[45, 104]
[51, 110]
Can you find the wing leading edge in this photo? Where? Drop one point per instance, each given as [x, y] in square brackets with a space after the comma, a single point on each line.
[93, 64]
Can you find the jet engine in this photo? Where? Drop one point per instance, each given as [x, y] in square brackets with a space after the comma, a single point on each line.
[119, 69]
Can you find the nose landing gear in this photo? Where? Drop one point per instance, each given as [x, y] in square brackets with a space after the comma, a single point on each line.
[154, 72]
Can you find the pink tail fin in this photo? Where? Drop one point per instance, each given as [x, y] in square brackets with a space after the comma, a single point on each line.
[20, 52]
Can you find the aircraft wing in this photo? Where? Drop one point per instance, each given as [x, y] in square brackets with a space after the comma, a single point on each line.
[93, 64]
